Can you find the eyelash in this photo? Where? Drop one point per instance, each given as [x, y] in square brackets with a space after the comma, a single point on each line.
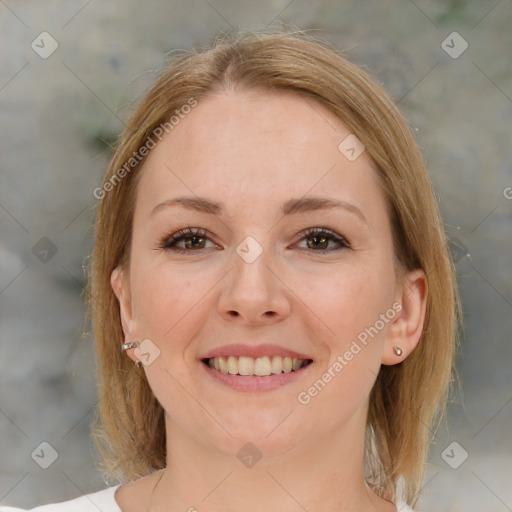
[168, 243]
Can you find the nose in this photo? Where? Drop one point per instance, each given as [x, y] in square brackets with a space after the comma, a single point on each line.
[254, 292]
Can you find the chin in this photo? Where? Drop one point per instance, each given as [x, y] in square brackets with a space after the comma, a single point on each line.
[268, 435]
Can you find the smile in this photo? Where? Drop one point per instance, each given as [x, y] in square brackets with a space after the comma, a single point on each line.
[260, 366]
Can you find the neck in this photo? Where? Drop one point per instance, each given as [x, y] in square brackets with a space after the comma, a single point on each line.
[325, 475]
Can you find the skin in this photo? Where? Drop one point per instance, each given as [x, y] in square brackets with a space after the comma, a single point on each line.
[253, 151]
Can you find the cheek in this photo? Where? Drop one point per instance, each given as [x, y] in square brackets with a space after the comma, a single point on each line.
[169, 303]
[350, 304]
[349, 301]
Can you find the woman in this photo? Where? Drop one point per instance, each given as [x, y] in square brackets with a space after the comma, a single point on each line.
[270, 254]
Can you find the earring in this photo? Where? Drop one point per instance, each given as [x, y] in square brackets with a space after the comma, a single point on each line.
[398, 351]
[126, 346]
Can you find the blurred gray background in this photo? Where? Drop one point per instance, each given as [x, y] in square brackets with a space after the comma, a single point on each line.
[60, 112]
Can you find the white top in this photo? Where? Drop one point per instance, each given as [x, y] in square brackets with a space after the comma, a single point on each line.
[105, 501]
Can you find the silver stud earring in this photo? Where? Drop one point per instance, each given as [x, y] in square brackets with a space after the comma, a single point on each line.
[398, 351]
[132, 344]
[127, 346]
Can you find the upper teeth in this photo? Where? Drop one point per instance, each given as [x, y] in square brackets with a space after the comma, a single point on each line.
[260, 366]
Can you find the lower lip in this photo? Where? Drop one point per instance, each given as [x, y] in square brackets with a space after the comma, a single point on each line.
[255, 383]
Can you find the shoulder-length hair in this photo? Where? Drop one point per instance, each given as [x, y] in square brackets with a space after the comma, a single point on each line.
[406, 398]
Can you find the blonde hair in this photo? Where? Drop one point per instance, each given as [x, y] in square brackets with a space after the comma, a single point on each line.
[406, 398]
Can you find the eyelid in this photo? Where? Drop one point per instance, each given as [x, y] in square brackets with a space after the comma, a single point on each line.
[330, 234]
[169, 242]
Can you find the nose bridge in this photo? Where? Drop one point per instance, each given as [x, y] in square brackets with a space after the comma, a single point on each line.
[253, 290]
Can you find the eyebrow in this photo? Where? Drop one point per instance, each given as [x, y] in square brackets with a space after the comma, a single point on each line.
[290, 207]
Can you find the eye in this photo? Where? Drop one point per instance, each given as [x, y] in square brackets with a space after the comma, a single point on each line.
[191, 239]
[318, 240]
[194, 239]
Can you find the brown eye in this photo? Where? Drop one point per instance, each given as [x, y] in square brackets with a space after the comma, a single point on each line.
[318, 240]
[185, 240]
[194, 242]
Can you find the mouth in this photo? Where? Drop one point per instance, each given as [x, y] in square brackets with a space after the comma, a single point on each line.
[255, 368]
[263, 366]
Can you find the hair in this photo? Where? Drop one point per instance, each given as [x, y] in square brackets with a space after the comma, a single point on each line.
[408, 399]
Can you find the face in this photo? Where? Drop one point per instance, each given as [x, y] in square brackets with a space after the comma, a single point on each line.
[256, 239]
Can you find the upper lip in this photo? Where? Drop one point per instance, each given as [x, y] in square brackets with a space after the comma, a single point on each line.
[254, 351]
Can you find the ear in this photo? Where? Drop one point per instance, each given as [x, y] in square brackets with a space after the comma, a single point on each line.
[405, 330]
[120, 285]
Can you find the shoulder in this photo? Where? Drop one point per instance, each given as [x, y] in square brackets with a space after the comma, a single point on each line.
[105, 501]
[102, 500]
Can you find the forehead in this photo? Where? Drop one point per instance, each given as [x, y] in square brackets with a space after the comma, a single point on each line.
[247, 145]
